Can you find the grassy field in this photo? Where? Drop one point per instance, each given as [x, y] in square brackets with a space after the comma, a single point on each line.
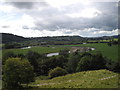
[108, 51]
[36, 49]
[87, 79]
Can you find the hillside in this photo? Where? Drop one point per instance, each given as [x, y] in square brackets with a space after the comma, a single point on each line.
[87, 79]
[11, 38]
[56, 40]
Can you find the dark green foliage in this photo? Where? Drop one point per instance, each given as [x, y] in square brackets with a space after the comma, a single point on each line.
[72, 62]
[84, 63]
[10, 54]
[116, 67]
[109, 64]
[12, 45]
[52, 62]
[17, 72]
[98, 61]
[33, 57]
[57, 72]
[94, 62]
[113, 66]
[64, 52]
[113, 42]
[86, 54]
[7, 55]
[20, 55]
[11, 38]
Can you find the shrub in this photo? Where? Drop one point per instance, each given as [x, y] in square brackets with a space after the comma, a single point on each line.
[47, 64]
[64, 52]
[57, 72]
[84, 64]
[94, 62]
[73, 60]
[116, 66]
[33, 57]
[17, 72]
[7, 55]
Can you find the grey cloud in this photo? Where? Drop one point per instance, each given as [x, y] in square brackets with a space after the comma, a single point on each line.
[54, 18]
[25, 27]
[27, 5]
[107, 20]
[5, 26]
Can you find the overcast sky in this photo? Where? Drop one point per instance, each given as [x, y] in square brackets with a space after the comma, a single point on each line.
[59, 17]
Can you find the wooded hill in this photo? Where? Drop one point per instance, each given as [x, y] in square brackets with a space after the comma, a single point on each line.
[56, 40]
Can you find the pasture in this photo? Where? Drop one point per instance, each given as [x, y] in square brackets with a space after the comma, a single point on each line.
[108, 51]
[41, 50]
[86, 79]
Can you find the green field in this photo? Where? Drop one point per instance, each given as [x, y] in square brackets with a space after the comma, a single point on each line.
[108, 51]
[41, 50]
[87, 79]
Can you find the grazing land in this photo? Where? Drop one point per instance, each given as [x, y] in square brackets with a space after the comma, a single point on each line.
[86, 79]
[108, 51]
[39, 49]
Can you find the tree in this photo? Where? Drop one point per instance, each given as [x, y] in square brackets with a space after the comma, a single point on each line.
[52, 62]
[116, 66]
[72, 62]
[93, 62]
[12, 45]
[17, 71]
[64, 52]
[7, 55]
[58, 71]
[84, 64]
[33, 57]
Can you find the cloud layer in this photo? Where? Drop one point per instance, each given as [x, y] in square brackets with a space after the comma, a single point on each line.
[56, 18]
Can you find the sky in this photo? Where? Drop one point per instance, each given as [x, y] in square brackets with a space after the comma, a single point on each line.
[59, 18]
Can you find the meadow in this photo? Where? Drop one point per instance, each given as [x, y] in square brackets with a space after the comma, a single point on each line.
[86, 79]
[110, 52]
[41, 50]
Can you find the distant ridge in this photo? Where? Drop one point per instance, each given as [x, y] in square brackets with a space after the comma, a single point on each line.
[7, 37]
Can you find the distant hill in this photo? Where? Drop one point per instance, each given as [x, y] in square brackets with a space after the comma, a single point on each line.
[6, 37]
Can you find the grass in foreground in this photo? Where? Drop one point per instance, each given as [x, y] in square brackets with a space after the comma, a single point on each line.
[87, 79]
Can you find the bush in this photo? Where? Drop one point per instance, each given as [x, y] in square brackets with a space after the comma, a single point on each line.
[84, 64]
[47, 64]
[17, 72]
[116, 66]
[73, 60]
[12, 45]
[7, 55]
[94, 62]
[64, 52]
[33, 57]
[57, 72]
